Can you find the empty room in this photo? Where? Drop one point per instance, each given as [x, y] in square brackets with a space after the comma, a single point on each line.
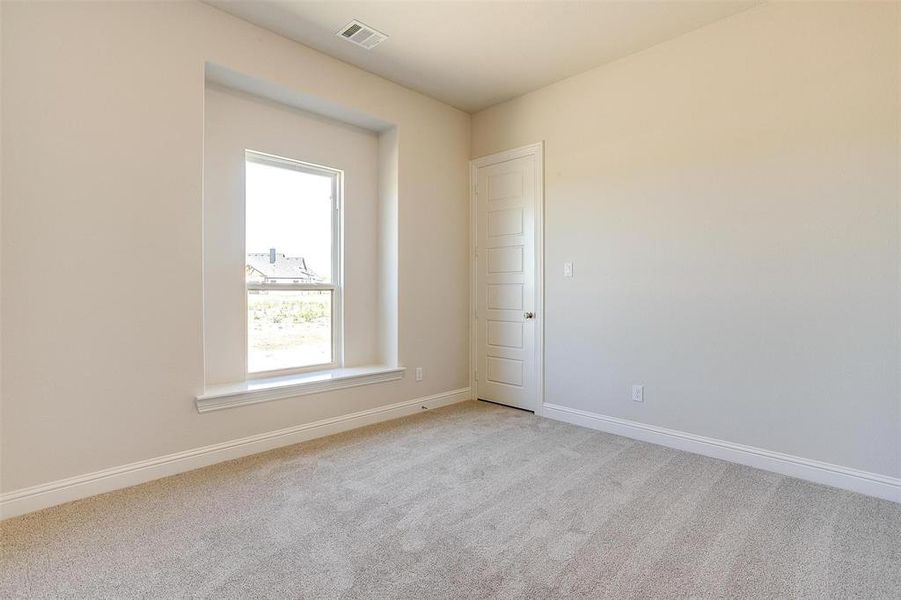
[450, 299]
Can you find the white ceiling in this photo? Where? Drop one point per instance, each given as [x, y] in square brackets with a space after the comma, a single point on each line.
[475, 54]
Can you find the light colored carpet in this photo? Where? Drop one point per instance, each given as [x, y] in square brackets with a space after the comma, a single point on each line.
[470, 501]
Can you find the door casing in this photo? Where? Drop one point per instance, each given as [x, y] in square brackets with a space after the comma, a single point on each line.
[536, 150]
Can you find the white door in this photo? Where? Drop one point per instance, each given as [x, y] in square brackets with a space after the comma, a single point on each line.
[506, 319]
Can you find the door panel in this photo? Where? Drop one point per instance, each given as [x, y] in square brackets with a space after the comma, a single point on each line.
[505, 281]
[505, 222]
[505, 260]
[508, 335]
[505, 370]
[505, 297]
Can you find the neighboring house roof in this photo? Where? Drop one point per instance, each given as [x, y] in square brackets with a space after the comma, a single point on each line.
[285, 269]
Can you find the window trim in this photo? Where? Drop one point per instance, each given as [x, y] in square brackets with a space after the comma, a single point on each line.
[255, 391]
[337, 284]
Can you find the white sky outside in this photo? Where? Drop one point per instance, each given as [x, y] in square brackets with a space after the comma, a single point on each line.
[290, 211]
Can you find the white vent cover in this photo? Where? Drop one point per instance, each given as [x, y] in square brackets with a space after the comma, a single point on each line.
[362, 35]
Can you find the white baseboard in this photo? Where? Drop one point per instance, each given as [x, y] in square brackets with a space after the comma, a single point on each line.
[871, 484]
[34, 498]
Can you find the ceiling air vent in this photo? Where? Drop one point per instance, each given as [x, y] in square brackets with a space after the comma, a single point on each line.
[362, 35]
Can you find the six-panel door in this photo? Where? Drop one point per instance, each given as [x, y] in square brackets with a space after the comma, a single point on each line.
[505, 287]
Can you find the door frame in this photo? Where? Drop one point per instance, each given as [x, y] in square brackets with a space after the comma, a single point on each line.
[536, 150]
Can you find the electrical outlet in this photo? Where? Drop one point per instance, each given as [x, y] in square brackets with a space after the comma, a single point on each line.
[418, 373]
[567, 269]
[637, 393]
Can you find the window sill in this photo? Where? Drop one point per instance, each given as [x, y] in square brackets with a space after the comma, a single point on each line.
[254, 391]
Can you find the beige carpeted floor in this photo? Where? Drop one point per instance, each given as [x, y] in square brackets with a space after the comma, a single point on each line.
[471, 501]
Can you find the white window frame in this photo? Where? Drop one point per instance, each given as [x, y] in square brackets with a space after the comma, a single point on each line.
[337, 284]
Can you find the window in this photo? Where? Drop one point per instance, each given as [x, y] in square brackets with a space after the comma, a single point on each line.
[293, 266]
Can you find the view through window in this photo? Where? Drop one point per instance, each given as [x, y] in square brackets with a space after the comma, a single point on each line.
[292, 264]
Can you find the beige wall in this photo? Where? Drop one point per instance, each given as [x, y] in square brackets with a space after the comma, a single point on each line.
[387, 252]
[233, 122]
[730, 200]
[101, 242]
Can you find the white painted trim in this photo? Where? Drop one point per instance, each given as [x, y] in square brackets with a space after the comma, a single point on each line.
[536, 150]
[539, 281]
[498, 157]
[871, 484]
[34, 498]
[473, 281]
[254, 391]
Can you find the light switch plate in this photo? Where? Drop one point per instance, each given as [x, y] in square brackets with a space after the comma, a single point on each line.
[567, 269]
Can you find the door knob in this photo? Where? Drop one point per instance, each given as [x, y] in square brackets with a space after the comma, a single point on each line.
[529, 315]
